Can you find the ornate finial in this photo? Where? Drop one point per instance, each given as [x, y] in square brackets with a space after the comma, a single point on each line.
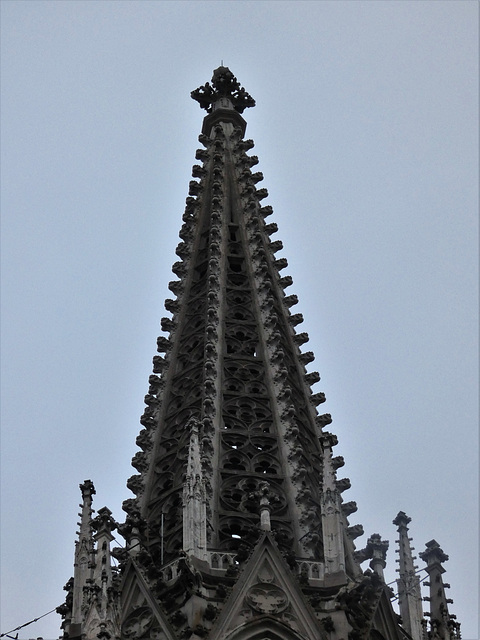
[402, 520]
[87, 489]
[104, 521]
[433, 554]
[378, 550]
[224, 85]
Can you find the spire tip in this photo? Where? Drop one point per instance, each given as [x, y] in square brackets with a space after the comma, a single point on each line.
[224, 85]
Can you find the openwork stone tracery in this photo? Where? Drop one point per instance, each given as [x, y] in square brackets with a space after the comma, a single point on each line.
[231, 362]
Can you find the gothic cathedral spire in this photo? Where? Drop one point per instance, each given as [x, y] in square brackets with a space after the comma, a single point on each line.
[238, 528]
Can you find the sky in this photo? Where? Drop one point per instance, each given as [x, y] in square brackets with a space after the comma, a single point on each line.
[366, 131]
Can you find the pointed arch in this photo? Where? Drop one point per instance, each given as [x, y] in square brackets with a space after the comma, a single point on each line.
[266, 628]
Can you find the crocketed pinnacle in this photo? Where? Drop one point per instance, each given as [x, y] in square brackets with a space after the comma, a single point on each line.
[408, 583]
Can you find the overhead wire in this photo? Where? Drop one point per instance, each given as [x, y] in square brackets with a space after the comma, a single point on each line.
[6, 634]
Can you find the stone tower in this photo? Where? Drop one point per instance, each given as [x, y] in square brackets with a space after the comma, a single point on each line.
[238, 529]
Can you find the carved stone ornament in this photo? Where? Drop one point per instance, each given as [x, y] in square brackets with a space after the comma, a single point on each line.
[137, 624]
[267, 598]
[224, 85]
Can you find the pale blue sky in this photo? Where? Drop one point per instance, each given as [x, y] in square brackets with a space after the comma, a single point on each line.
[366, 131]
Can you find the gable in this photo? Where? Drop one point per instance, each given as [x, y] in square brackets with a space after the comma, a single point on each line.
[267, 602]
[385, 621]
[141, 615]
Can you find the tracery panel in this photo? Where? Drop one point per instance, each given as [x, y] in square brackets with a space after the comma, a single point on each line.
[249, 437]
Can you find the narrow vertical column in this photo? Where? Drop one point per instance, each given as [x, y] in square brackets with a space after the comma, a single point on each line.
[331, 511]
[194, 501]
[83, 551]
[408, 583]
[443, 626]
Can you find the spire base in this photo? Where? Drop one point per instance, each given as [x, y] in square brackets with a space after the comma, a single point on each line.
[223, 115]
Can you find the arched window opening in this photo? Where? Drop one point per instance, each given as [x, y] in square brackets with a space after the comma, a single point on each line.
[236, 264]
[264, 630]
[226, 562]
[264, 466]
[234, 463]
